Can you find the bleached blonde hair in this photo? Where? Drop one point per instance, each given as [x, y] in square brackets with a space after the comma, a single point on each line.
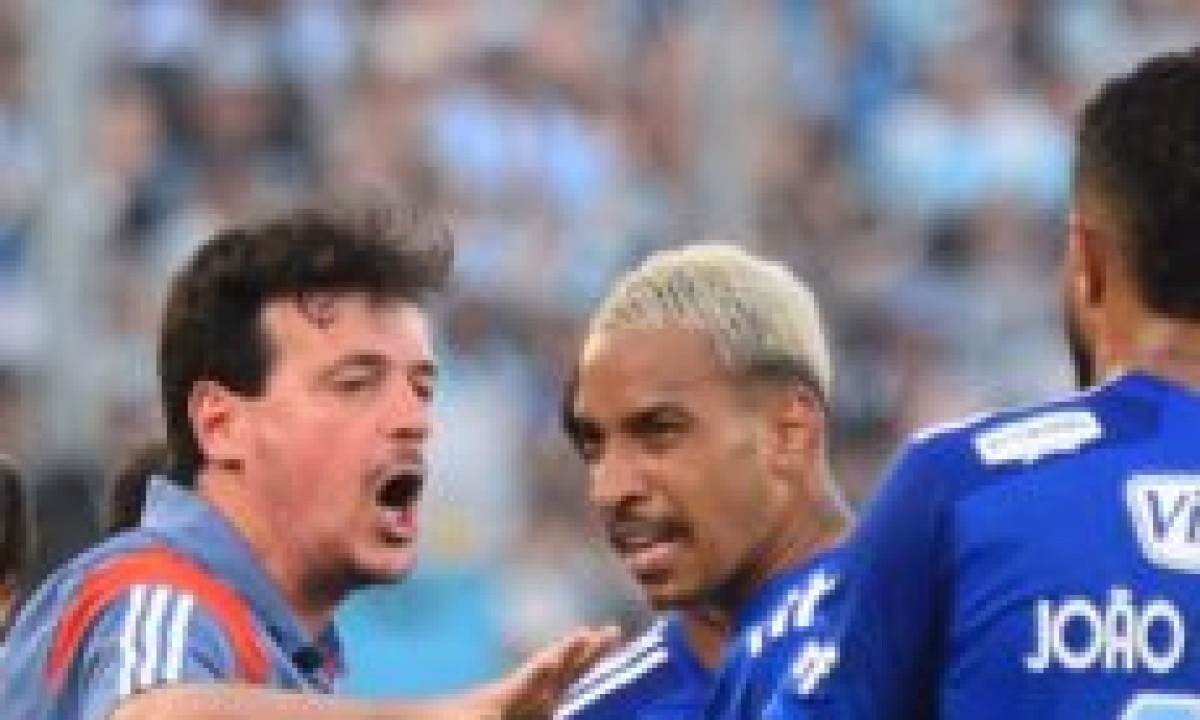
[763, 320]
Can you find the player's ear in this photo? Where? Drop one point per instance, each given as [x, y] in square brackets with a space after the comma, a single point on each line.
[7, 591]
[796, 421]
[217, 416]
[1084, 263]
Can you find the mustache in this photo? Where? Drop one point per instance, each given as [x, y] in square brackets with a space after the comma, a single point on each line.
[622, 526]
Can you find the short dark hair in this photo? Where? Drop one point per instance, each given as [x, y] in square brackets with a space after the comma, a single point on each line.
[1139, 155]
[126, 493]
[15, 526]
[211, 326]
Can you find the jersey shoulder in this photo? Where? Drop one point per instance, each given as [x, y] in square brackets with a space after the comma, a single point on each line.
[131, 586]
[55, 592]
[1024, 437]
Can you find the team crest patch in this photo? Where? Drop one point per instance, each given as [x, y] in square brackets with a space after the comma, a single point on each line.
[1165, 511]
[1034, 438]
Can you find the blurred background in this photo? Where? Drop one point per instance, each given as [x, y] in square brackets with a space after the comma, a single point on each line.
[909, 157]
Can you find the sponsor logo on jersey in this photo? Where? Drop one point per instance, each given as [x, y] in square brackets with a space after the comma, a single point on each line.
[798, 611]
[812, 665]
[1118, 636]
[1162, 706]
[1165, 510]
[1034, 438]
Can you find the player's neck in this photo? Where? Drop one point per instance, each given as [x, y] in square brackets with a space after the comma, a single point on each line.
[314, 611]
[794, 541]
[1169, 349]
[706, 630]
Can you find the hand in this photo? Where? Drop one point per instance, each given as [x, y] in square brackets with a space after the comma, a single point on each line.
[534, 690]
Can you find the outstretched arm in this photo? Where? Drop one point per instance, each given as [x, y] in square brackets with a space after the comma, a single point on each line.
[528, 693]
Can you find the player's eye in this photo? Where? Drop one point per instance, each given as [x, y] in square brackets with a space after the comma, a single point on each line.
[588, 442]
[352, 386]
[659, 432]
[591, 451]
[355, 382]
[422, 387]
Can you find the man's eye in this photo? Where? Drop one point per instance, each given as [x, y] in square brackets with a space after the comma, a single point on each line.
[589, 445]
[662, 427]
[353, 384]
[661, 433]
[423, 389]
[590, 449]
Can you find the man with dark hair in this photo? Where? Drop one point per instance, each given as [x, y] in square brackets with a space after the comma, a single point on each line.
[297, 373]
[1042, 563]
[14, 533]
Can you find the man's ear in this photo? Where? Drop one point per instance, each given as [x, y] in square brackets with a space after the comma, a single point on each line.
[796, 420]
[1084, 264]
[217, 417]
[7, 590]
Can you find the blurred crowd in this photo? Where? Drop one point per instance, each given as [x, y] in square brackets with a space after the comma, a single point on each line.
[909, 157]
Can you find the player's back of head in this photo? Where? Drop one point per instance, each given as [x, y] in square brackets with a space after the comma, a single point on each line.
[15, 528]
[762, 319]
[126, 492]
[1139, 161]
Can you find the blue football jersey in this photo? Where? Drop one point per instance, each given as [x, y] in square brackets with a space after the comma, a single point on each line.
[657, 676]
[782, 620]
[1034, 564]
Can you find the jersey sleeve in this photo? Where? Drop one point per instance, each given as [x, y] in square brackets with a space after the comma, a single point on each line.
[151, 636]
[878, 657]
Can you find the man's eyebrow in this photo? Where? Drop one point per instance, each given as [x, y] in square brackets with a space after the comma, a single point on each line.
[375, 362]
[655, 411]
[582, 424]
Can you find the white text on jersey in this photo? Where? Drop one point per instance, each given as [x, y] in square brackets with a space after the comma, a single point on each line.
[1119, 636]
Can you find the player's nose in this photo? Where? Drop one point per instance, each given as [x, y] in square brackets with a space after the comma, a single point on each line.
[614, 480]
[407, 412]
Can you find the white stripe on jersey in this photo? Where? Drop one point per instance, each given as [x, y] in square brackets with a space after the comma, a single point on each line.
[617, 680]
[624, 656]
[176, 634]
[129, 628]
[152, 636]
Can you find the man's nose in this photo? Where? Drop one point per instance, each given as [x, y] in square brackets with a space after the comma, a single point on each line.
[407, 414]
[615, 480]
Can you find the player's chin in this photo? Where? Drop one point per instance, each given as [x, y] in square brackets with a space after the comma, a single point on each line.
[664, 590]
[386, 564]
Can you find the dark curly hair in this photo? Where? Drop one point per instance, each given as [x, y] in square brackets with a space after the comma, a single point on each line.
[211, 325]
[1139, 156]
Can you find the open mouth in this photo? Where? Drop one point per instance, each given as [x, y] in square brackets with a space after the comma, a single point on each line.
[400, 489]
[396, 500]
